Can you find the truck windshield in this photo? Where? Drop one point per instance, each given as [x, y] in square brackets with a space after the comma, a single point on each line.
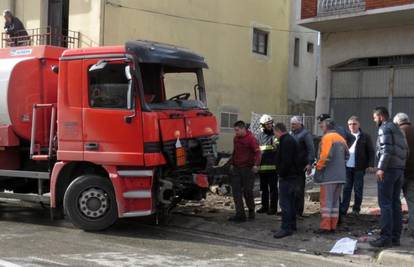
[172, 88]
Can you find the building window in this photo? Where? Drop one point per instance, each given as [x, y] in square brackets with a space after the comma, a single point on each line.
[310, 48]
[260, 42]
[297, 52]
[228, 119]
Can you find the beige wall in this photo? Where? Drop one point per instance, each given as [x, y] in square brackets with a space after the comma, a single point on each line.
[86, 17]
[237, 78]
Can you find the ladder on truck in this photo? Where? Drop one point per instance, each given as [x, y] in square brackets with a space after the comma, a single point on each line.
[40, 197]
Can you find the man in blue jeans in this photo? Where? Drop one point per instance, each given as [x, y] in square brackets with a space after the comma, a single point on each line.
[361, 157]
[391, 156]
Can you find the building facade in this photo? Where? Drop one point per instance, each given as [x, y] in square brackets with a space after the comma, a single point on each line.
[303, 62]
[367, 58]
[246, 43]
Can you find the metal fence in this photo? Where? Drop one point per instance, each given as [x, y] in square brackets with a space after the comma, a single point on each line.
[336, 7]
[42, 36]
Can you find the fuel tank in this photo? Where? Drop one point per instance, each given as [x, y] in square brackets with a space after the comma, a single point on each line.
[26, 78]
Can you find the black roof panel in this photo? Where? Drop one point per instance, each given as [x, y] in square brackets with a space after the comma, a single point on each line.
[165, 54]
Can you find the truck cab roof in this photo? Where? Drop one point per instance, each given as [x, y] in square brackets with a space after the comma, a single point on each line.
[146, 52]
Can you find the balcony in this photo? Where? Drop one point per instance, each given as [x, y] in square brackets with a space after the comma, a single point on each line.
[351, 15]
[336, 7]
[42, 36]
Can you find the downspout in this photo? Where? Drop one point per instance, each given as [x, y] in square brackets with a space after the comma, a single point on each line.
[102, 23]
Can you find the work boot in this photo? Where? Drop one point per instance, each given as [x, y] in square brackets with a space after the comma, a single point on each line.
[237, 218]
[323, 232]
[252, 215]
[282, 233]
[381, 243]
[272, 211]
[262, 210]
[396, 242]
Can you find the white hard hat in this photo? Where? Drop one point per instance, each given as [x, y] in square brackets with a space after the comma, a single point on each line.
[266, 119]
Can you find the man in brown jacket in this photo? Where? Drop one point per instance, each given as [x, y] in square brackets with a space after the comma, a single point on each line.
[402, 120]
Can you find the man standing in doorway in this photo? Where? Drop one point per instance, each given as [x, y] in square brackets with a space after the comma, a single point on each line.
[403, 121]
[361, 157]
[244, 164]
[267, 169]
[391, 156]
[306, 157]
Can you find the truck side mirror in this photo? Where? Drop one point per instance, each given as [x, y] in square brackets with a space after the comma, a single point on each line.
[98, 66]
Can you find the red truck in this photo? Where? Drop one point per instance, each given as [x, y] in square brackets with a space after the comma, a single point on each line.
[96, 133]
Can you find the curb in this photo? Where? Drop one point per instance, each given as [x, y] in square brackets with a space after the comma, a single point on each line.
[401, 258]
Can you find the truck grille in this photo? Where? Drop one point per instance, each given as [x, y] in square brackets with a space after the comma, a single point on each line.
[198, 151]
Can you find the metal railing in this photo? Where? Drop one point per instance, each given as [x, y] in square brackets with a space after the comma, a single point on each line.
[42, 36]
[337, 7]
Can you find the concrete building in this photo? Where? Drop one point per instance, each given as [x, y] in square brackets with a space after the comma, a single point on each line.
[303, 61]
[367, 56]
[244, 42]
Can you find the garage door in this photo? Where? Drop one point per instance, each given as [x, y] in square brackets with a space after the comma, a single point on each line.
[358, 91]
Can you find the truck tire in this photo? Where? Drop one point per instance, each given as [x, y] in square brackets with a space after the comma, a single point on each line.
[90, 203]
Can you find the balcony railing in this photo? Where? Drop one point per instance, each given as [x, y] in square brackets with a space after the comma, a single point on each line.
[337, 7]
[42, 36]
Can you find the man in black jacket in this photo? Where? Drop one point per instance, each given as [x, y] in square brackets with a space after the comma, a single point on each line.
[391, 156]
[361, 157]
[15, 29]
[288, 172]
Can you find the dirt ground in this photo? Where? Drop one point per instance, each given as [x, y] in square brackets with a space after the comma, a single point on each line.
[211, 216]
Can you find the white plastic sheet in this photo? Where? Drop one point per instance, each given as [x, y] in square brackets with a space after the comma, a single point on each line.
[344, 246]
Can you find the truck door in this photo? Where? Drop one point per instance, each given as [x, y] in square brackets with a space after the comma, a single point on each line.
[108, 136]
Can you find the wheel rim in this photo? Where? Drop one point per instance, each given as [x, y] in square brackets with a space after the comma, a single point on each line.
[93, 203]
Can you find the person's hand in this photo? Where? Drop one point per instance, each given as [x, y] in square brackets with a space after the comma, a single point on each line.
[255, 169]
[308, 169]
[380, 175]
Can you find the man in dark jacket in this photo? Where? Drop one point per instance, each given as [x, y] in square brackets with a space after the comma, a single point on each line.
[267, 169]
[287, 169]
[306, 157]
[403, 121]
[15, 29]
[361, 157]
[244, 164]
[391, 156]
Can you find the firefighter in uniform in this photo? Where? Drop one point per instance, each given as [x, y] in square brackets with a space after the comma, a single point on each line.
[267, 170]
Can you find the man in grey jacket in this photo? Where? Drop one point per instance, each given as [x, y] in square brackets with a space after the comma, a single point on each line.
[391, 156]
[306, 157]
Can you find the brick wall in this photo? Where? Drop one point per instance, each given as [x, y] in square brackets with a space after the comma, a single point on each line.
[373, 4]
[309, 8]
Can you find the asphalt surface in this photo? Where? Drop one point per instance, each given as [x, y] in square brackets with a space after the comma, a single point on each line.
[29, 238]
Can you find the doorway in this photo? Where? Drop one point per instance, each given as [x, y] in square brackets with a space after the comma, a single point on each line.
[58, 22]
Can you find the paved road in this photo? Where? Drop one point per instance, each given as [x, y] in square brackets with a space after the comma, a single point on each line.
[28, 238]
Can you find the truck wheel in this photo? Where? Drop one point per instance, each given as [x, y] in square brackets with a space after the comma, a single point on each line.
[90, 203]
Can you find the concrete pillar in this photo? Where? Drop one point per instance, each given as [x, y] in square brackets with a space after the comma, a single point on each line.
[324, 84]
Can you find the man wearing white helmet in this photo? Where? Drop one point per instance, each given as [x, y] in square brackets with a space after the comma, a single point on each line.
[267, 169]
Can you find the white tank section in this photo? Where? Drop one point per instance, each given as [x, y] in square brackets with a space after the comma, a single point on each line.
[6, 68]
